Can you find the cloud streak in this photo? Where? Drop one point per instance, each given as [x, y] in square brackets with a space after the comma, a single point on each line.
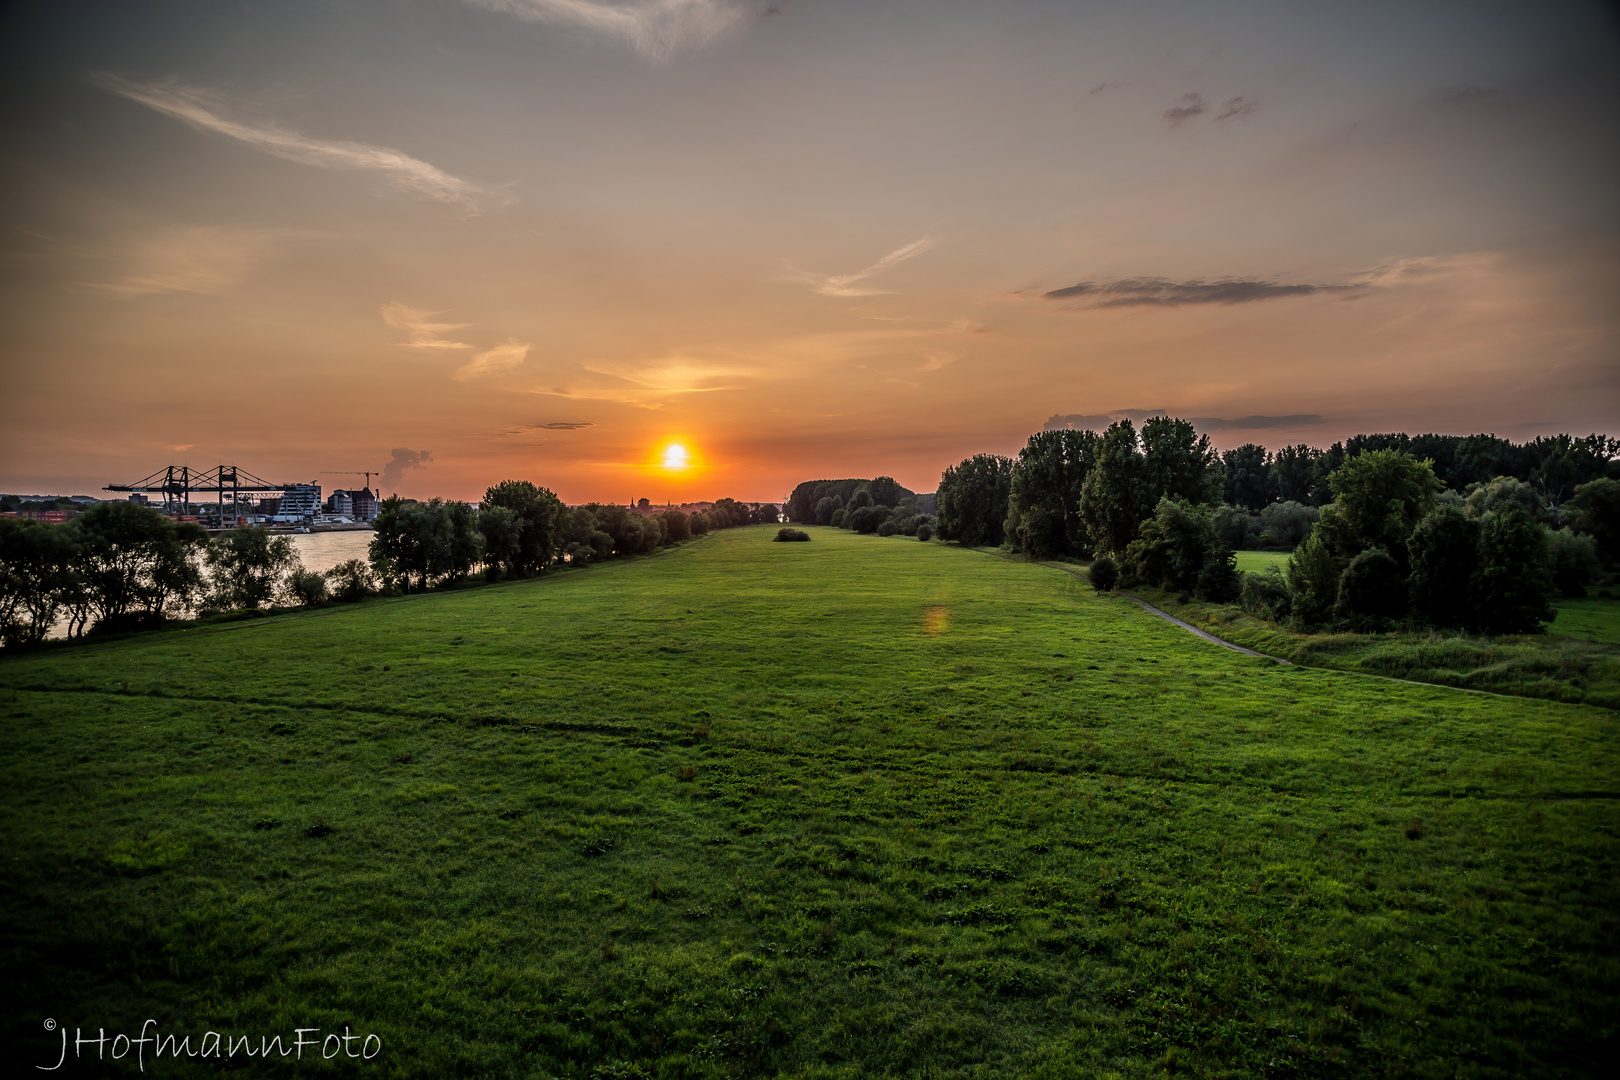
[846, 284]
[1191, 105]
[419, 326]
[656, 29]
[1158, 292]
[203, 111]
[503, 357]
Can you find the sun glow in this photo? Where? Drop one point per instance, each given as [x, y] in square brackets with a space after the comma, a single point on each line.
[675, 456]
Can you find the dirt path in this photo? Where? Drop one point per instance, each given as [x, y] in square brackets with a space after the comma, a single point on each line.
[1190, 628]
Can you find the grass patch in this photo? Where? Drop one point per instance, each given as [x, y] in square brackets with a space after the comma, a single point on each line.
[1255, 562]
[872, 810]
[1592, 619]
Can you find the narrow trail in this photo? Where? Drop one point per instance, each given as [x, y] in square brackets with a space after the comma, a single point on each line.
[1167, 617]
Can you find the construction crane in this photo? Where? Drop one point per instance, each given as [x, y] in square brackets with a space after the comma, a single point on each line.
[353, 472]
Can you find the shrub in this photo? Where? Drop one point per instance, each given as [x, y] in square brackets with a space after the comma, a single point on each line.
[1313, 582]
[1104, 574]
[1266, 594]
[306, 587]
[925, 532]
[888, 528]
[351, 581]
[791, 534]
[1285, 525]
[837, 519]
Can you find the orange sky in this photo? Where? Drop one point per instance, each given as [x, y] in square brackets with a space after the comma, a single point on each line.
[545, 239]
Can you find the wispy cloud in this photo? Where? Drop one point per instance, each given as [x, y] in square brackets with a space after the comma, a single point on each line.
[846, 284]
[191, 259]
[204, 110]
[1157, 292]
[1189, 106]
[564, 425]
[655, 28]
[1238, 108]
[503, 357]
[424, 333]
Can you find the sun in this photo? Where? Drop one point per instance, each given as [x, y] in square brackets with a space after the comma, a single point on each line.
[675, 456]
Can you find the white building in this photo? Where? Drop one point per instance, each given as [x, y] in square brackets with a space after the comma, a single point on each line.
[299, 502]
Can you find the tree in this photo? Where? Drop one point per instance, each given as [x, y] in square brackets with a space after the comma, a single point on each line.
[1502, 491]
[676, 526]
[925, 532]
[1249, 479]
[1572, 559]
[973, 500]
[465, 544]
[1512, 586]
[1178, 550]
[1442, 552]
[503, 538]
[1379, 497]
[1313, 580]
[1373, 586]
[824, 511]
[135, 564]
[1284, 525]
[350, 581]
[540, 516]
[1113, 497]
[1043, 505]
[246, 567]
[305, 587]
[1595, 509]
[36, 576]
[1179, 463]
[1294, 470]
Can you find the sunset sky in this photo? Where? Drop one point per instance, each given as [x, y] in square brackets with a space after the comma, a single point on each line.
[547, 239]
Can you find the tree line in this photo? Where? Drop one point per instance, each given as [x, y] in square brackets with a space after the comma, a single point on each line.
[880, 505]
[1385, 529]
[119, 566]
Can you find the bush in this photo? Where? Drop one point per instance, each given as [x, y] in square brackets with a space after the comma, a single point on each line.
[351, 581]
[306, 587]
[1285, 525]
[888, 528]
[837, 519]
[791, 534]
[1266, 595]
[1104, 574]
[925, 532]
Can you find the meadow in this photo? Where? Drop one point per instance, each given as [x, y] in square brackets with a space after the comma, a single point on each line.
[858, 807]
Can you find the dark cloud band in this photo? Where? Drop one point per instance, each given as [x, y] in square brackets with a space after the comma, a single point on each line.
[1157, 292]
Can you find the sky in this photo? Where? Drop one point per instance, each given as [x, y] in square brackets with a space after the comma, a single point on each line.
[462, 241]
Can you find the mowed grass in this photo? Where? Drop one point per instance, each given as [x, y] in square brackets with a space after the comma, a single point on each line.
[854, 808]
[1592, 619]
[1256, 562]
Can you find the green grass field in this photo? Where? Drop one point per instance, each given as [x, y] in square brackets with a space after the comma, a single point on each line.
[854, 808]
[1255, 562]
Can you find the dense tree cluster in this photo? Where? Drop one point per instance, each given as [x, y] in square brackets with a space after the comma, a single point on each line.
[880, 505]
[119, 566]
[1465, 532]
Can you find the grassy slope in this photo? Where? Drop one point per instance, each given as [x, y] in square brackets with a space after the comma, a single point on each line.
[1576, 660]
[953, 815]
